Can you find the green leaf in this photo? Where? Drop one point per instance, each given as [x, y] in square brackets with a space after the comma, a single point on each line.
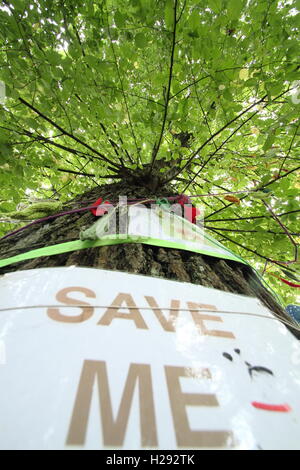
[119, 19]
[169, 14]
[7, 207]
[141, 40]
[92, 61]
[269, 142]
[74, 51]
[258, 195]
[5, 152]
[31, 123]
[271, 153]
[216, 4]
[194, 20]
[54, 57]
[234, 8]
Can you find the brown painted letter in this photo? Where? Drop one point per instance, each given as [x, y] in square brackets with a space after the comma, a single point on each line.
[134, 314]
[167, 324]
[62, 296]
[113, 429]
[185, 436]
[199, 318]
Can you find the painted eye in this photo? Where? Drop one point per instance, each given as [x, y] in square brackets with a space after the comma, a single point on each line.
[228, 356]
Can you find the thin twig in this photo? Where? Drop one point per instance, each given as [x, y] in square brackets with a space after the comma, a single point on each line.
[289, 150]
[222, 129]
[167, 100]
[67, 133]
[122, 89]
[239, 244]
[234, 219]
[285, 230]
[265, 268]
[218, 148]
[259, 188]
[250, 231]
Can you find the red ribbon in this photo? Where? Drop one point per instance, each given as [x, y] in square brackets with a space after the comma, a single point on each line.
[190, 212]
[99, 211]
[289, 283]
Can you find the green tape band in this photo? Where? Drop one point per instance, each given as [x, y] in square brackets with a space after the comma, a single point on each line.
[112, 240]
[116, 240]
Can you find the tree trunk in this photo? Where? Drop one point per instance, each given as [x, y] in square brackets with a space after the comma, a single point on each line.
[137, 258]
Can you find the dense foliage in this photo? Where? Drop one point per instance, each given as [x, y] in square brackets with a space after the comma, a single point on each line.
[199, 94]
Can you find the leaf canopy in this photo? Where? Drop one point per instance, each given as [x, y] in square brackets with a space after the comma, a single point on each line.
[204, 93]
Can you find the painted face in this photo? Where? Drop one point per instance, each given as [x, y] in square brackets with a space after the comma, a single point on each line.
[264, 395]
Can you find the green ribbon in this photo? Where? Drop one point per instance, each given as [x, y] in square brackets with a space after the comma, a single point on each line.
[119, 239]
[164, 203]
[111, 240]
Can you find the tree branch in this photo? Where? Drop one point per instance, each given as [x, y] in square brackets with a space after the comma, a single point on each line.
[194, 82]
[286, 231]
[145, 98]
[234, 219]
[240, 245]
[249, 231]
[259, 188]
[289, 150]
[79, 173]
[156, 147]
[79, 141]
[42, 139]
[64, 170]
[218, 148]
[222, 129]
[122, 89]
[112, 143]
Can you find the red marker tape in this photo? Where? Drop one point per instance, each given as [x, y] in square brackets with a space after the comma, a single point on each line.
[267, 407]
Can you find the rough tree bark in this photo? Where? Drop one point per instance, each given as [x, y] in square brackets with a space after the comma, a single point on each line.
[167, 263]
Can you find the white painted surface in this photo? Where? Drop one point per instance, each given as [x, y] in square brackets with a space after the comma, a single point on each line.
[42, 360]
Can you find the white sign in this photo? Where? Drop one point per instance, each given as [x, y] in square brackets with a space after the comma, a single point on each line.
[143, 363]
